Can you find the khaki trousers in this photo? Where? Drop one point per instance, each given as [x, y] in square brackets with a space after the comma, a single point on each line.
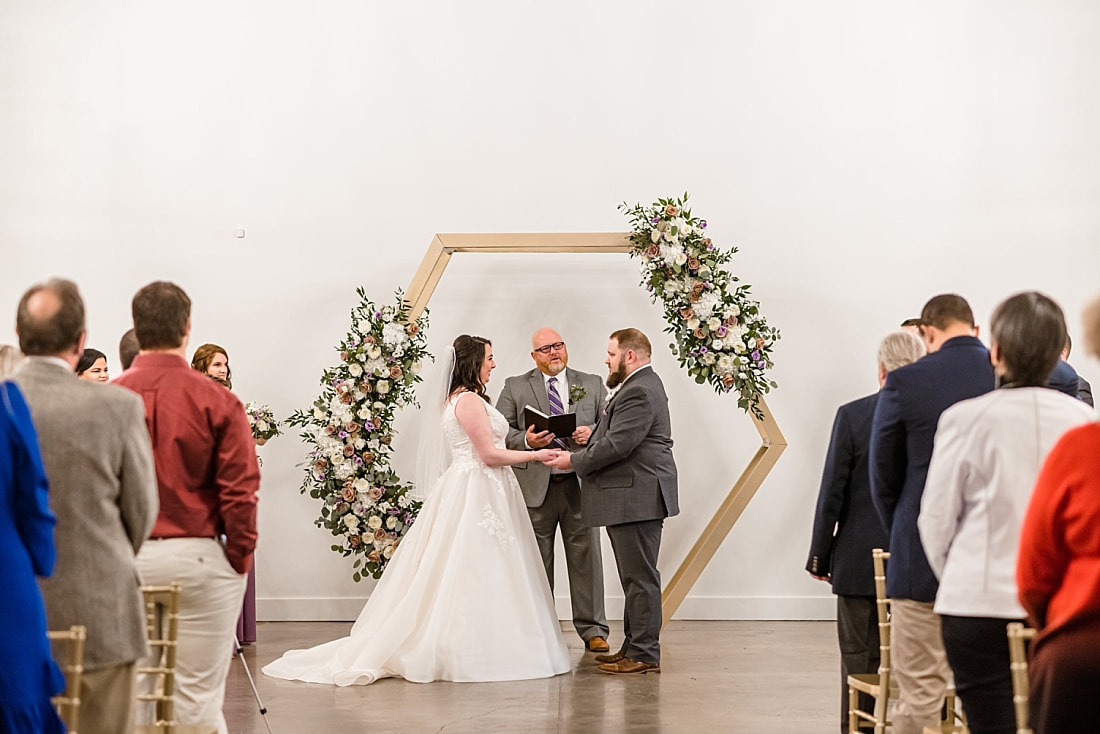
[211, 595]
[920, 666]
[107, 699]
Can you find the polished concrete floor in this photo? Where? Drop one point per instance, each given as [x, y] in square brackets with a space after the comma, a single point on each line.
[774, 677]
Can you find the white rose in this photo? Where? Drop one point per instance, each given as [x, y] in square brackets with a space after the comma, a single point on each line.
[654, 235]
[391, 522]
[693, 323]
[671, 287]
[364, 413]
[375, 352]
[733, 310]
[743, 360]
[355, 369]
[361, 485]
[709, 358]
[681, 258]
[717, 345]
[385, 506]
[725, 364]
[387, 552]
[351, 521]
[379, 405]
[318, 414]
[262, 425]
[714, 323]
[359, 444]
[415, 367]
[374, 522]
[382, 387]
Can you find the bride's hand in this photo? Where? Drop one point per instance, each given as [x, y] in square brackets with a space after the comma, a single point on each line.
[545, 455]
[560, 460]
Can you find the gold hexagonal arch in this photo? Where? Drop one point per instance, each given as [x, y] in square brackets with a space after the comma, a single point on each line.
[752, 476]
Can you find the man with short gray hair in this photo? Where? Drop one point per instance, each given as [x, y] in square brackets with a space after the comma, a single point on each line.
[846, 527]
[97, 456]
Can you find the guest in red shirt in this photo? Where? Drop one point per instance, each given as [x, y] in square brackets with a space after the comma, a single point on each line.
[207, 478]
[1058, 575]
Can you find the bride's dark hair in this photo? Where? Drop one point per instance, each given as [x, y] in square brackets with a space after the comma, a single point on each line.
[469, 356]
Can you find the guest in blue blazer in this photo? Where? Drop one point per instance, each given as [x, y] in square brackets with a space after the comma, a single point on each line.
[846, 527]
[909, 406]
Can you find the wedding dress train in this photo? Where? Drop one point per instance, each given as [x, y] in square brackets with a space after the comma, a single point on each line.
[465, 596]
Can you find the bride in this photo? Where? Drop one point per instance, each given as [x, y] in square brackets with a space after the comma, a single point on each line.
[468, 572]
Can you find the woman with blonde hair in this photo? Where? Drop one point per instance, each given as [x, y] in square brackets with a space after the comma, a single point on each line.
[9, 357]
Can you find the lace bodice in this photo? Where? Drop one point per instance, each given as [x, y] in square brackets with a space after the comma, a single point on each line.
[462, 451]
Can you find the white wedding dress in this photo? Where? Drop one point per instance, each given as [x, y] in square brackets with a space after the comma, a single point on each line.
[464, 598]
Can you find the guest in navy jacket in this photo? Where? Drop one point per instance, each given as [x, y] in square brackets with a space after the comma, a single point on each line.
[846, 527]
[909, 406]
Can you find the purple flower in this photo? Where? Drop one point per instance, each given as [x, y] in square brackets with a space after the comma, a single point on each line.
[702, 224]
[702, 350]
[342, 434]
[755, 355]
[377, 314]
[369, 425]
[722, 330]
[358, 461]
[655, 220]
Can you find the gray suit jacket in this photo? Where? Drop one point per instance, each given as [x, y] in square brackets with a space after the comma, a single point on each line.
[103, 489]
[530, 389]
[628, 470]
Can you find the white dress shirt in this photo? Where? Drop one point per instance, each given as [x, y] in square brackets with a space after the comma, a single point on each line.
[987, 455]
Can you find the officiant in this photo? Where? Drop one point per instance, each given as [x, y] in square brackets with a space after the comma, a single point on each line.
[553, 496]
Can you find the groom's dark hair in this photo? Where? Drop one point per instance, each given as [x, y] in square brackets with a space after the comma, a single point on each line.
[633, 340]
[469, 356]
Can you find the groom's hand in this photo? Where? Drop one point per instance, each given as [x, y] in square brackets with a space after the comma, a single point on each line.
[563, 461]
[582, 434]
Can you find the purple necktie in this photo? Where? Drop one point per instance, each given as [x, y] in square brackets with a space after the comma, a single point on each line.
[556, 408]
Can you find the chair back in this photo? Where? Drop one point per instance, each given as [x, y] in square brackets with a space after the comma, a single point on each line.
[162, 606]
[882, 607]
[1018, 635]
[72, 665]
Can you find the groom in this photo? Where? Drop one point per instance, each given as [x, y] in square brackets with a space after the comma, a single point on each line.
[630, 486]
[553, 497]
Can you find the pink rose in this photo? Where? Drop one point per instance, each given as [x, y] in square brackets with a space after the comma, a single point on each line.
[375, 493]
[671, 211]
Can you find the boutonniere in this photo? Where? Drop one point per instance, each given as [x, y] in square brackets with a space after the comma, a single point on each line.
[576, 394]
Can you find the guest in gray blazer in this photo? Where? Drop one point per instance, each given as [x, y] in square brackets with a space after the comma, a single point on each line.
[553, 496]
[98, 458]
[628, 477]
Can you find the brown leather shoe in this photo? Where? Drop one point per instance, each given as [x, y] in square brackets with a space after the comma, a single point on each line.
[613, 658]
[629, 665]
[597, 644]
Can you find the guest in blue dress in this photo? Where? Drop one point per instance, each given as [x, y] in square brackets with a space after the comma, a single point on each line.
[28, 674]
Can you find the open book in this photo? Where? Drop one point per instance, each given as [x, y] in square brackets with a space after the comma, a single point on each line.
[562, 426]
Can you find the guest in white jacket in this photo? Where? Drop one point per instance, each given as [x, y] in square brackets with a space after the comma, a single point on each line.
[987, 455]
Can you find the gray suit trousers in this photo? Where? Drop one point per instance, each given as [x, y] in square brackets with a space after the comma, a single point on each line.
[636, 545]
[583, 557]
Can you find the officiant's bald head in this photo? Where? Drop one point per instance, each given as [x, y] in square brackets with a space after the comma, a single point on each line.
[549, 351]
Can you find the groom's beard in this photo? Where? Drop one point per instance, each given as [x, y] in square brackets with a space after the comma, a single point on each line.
[616, 376]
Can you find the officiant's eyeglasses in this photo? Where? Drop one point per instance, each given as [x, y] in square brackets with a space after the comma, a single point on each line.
[550, 347]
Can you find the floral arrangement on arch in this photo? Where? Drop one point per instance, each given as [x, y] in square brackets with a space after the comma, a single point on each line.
[350, 428]
[721, 336]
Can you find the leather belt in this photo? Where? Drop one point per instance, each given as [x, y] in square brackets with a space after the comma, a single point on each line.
[562, 477]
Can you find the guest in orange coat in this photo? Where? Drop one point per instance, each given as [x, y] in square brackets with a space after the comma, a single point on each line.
[1058, 575]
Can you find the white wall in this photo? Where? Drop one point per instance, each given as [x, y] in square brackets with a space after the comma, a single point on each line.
[863, 155]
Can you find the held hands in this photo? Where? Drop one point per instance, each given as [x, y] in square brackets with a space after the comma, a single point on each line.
[561, 460]
[545, 456]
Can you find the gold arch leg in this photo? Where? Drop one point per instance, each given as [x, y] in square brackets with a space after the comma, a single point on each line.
[773, 443]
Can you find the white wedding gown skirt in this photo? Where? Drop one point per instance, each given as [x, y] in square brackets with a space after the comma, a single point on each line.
[465, 596]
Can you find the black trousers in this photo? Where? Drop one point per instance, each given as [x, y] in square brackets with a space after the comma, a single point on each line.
[1065, 681]
[977, 651]
[857, 633]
